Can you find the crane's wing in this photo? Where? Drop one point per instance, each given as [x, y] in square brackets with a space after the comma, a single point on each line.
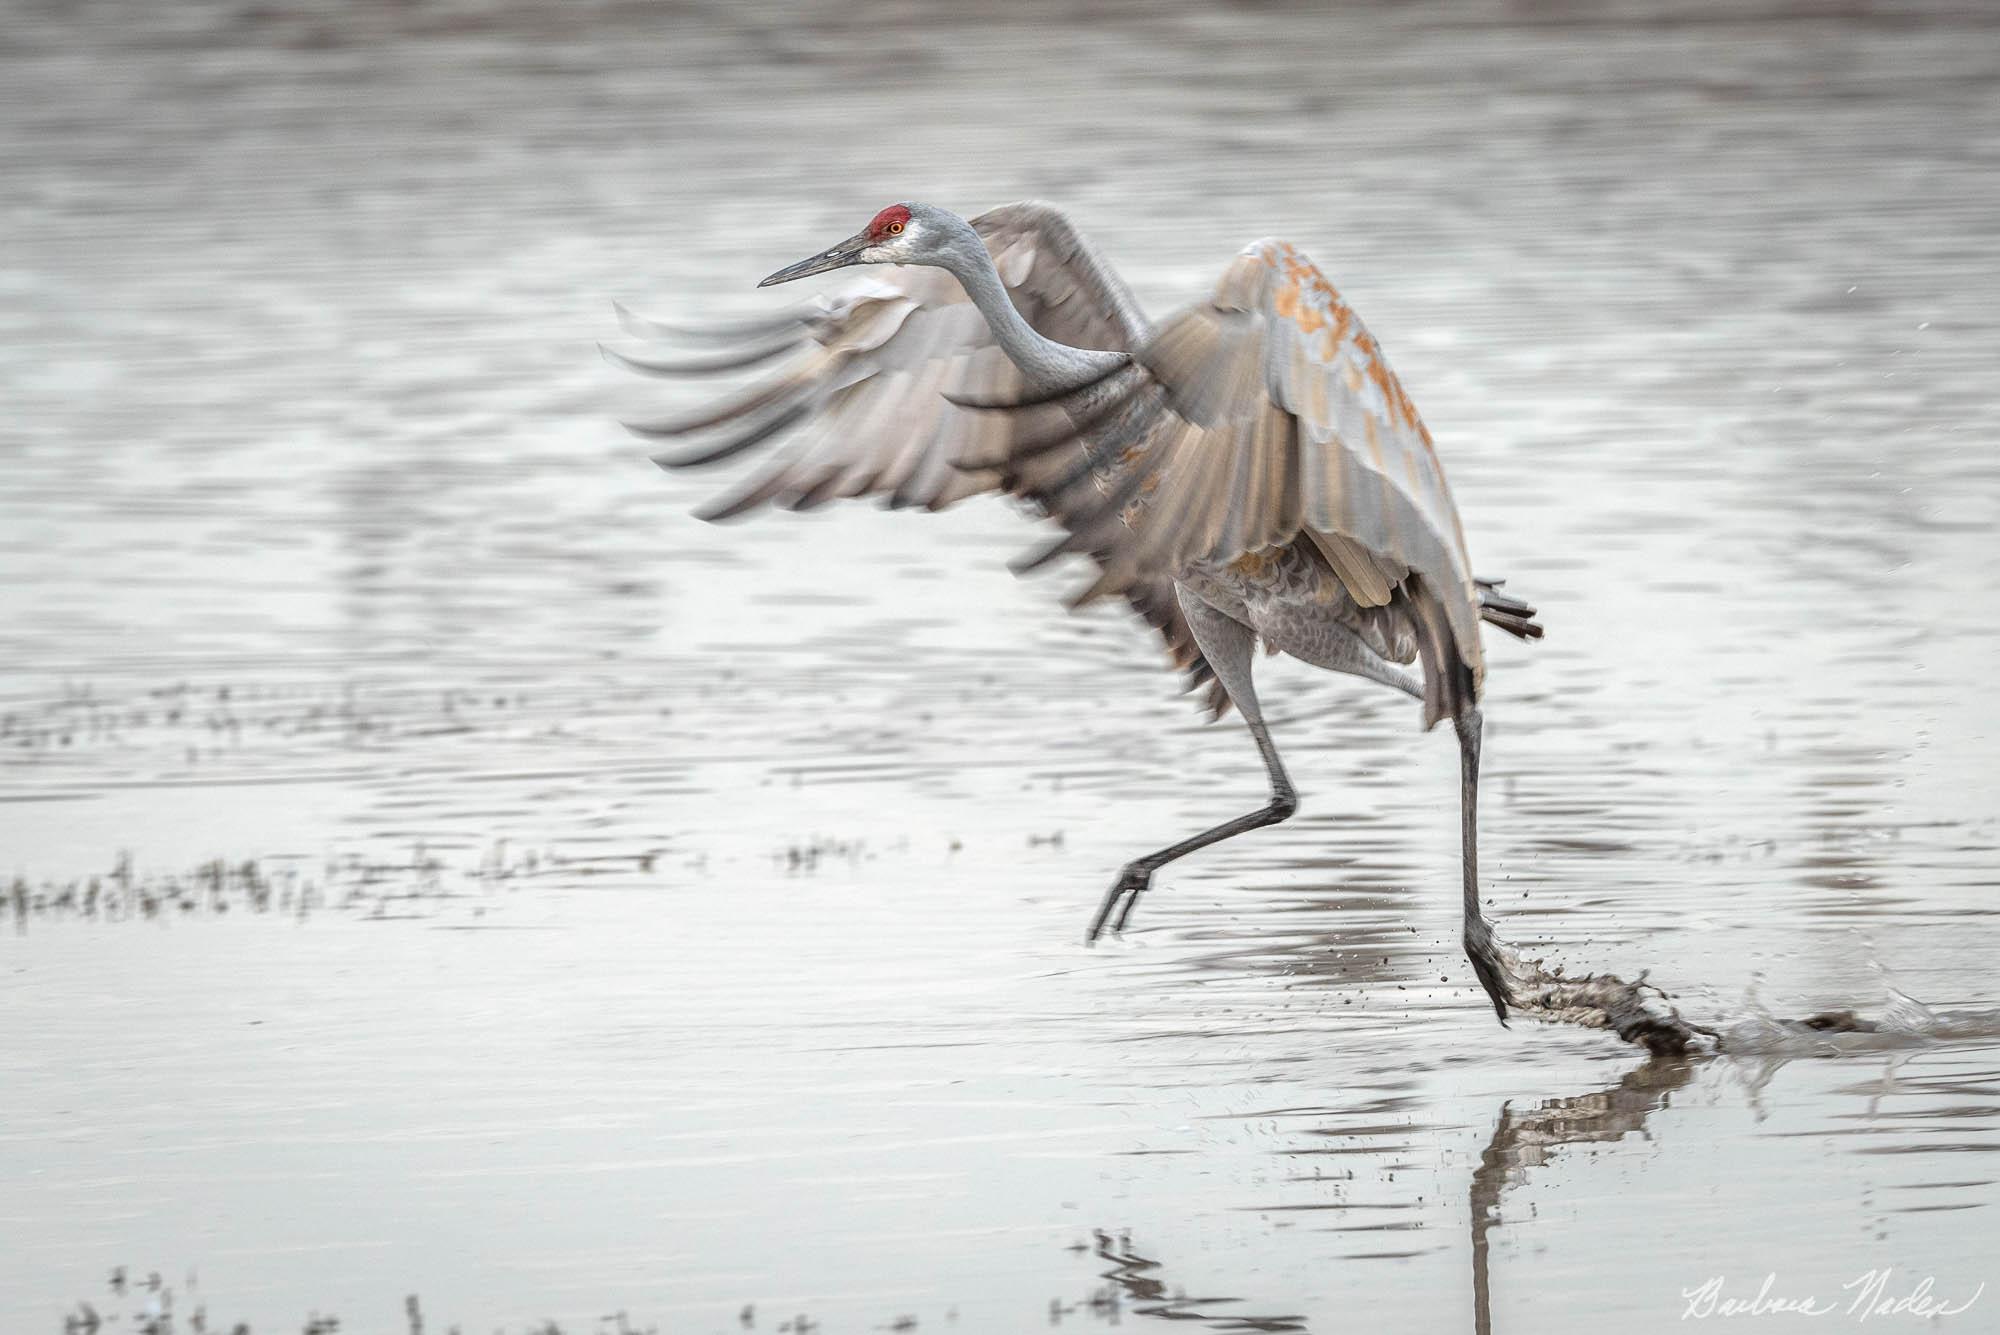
[862, 397]
[1263, 416]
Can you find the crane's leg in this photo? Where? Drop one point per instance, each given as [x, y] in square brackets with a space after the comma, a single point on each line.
[1229, 647]
[1479, 943]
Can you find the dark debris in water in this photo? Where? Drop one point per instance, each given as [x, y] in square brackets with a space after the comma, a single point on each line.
[416, 884]
[1839, 1022]
[151, 1306]
[1135, 1284]
[199, 721]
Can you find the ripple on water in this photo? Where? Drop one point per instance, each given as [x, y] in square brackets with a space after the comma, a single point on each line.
[719, 892]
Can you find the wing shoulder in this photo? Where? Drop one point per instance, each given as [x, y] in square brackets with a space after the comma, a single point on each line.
[1377, 468]
[1044, 258]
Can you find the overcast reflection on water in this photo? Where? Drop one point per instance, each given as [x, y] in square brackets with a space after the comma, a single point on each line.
[438, 865]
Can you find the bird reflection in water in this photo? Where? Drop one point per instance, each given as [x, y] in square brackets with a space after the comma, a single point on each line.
[1524, 1140]
[1139, 1285]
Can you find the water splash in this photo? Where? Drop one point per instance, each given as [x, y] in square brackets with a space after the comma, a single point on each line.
[1637, 1011]
[1642, 1013]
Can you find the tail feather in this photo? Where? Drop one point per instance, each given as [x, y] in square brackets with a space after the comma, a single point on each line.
[1506, 611]
[1450, 689]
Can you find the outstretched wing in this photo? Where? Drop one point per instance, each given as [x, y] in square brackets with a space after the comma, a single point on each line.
[862, 396]
[1264, 416]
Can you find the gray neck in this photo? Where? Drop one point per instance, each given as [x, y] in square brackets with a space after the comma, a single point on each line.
[1045, 364]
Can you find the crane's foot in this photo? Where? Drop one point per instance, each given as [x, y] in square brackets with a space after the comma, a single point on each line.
[1116, 909]
[1491, 979]
[1491, 966]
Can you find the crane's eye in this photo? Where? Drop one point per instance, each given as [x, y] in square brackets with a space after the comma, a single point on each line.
[895, 229]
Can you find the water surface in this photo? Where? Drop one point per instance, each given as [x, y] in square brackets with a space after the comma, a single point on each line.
[665, 918]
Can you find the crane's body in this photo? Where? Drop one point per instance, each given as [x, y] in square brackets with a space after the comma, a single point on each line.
[1248, 472]
[1294, 603]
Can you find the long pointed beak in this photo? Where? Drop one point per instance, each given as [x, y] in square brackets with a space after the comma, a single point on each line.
[846, 253]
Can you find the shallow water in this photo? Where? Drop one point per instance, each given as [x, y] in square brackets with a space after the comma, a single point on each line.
[667, 918]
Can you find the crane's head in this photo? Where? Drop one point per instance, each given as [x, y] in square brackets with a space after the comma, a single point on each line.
[899, 234]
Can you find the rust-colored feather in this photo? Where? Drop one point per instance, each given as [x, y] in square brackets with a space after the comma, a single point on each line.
[1277, 420]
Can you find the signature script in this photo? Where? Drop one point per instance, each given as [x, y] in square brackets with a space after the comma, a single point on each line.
[1866, 1297]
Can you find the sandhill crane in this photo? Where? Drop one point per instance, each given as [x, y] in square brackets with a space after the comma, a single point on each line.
[1248, 470]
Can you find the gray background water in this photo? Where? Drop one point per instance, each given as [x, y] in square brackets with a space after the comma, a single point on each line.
[670, 918]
